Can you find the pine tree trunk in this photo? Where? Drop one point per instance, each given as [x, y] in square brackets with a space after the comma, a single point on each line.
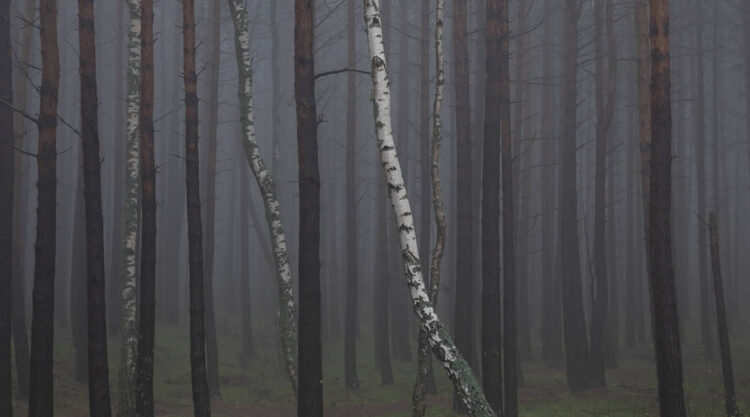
[209, 238]
[382, 290]
[551, 307]
[492, 382]
[99, 401]
[268, 191]
[199, 379]
[700, 169]
[574, 324]
[147, 309]
[6, 211]
[730, 398]
[510, 342]
[663, 297]
[442, 346]
[19, 327]
[464, 286]
[351, 316]
[425, 379]
[310, 402]
[77, 295]
[128, 274]
[42, 327]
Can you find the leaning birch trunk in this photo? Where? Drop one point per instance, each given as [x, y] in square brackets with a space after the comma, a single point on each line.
[286, 312]
[129, 324]
[442, 345]
[423, 359]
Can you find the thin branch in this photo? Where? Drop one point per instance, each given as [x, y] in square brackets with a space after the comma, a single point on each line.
[19, 111]
[338, 71]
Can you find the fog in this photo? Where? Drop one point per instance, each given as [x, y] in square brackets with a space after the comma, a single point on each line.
[555, 285]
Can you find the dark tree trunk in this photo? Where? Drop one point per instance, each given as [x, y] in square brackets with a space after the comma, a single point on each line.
[114, 245]
[247, 353]
[20, 213]
[212, 348]
[77, 294]
[42, 322]
[350, 316]
[663, 295]
[551, 307]
[381, 302]
[700, 173]
[606, 79]
[199, 379]
[491, 339]
[310, 402]
[631, 275]
[574, 323]
[6, 211]
[510, 344]
[730, 398]
[464, 304]
[146, 310]
[99, 402]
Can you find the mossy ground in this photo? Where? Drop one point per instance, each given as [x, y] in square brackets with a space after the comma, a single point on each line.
[261, 389]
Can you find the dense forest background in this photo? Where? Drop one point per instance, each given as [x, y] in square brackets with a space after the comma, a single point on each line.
[556, 105]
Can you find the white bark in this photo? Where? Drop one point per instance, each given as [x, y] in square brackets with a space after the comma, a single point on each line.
[442, 346]
[287, 315]
[129, 331]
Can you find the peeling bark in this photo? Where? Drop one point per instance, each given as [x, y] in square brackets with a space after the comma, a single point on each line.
[442, 345]
[287, 314]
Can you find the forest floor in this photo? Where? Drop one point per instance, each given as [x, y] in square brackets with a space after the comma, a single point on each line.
[262, 390]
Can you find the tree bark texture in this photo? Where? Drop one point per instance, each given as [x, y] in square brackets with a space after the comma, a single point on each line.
[442, 345]
[663, 296]
[43, 300]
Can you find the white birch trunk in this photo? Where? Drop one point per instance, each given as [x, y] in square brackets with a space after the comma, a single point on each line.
[129, 323]
[442, 346]
[287, 316]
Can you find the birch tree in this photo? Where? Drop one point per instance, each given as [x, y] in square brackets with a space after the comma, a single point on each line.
[442, 345]
[423, 358]
[287, 315]
[129, 279]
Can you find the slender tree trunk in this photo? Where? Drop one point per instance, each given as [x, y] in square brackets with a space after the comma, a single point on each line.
[606, 82]
[510, 343]
[146, 310]
[576, 343]
[351, 316]
[730, 397]
[425, 167]
[700, 161]
[663, 296]
[6, 211]
[442, 345]
[492, 382]
[212, 348]
[287, 315]
[551, 301]
[199, 379]
[99, 401]
[247, 353]
[310, 403]
[42, 322]
[382, 281]
[115, 243]
[128, 274]
[19, 328]
[424, 363]
[77, 294]
[464, 311]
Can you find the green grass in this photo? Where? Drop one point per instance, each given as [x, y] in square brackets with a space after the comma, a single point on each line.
[263, 390]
